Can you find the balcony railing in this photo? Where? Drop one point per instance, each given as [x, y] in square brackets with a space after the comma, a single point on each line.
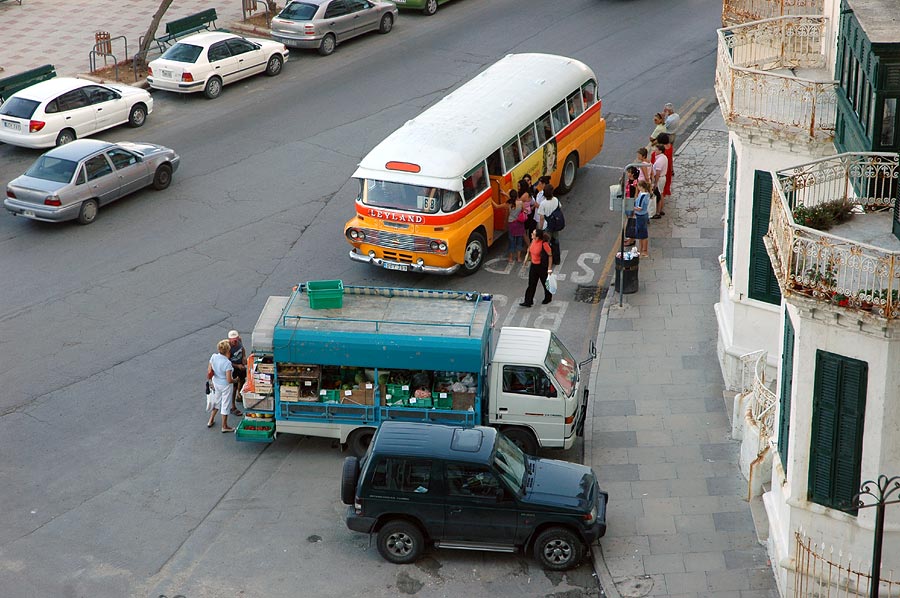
[849, 274]
[756, 85]
[736, 12]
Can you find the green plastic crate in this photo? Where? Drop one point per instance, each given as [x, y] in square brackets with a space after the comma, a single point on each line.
[397, 390]
[443, 400]
[420, 403]
[265, 435]
[329, 396]
[325, 294]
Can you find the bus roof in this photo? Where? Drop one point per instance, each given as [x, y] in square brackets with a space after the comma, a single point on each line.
[466, 126]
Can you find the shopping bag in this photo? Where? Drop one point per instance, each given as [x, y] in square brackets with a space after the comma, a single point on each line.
[210, 398]
[551, 283]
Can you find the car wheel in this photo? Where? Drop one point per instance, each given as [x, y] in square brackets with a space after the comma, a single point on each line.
[474, 256]
[569, 173]
[213, 88]
[387, 23]
[88, 211]
[138, 116]
[349, 479]
[430, 7]
[400, 542]
[558, 549]
[162, 178]
[327, 46]
[273, 67]
[65, 136]
[523, 439]
[359, 441]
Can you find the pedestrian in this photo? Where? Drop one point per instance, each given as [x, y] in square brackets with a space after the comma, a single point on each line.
[660, 127]
[515, 226]
[528, 206]
[666, 140]
[672, 120]
[541, 266]
[238, 358]
[642, 218]
[220, 372]
[659, 171]
[527, 178]
[539, 188]
[545, 208]
[631, 192]
[644, 170]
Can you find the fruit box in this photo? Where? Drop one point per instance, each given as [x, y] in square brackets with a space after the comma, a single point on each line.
[364, 396]
[289, 393]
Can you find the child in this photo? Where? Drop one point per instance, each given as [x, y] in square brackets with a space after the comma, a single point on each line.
[642, 218]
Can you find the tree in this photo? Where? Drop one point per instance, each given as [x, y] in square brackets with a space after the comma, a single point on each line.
[151, 30]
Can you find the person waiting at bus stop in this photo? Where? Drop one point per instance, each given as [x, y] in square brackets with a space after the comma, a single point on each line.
[238, 358]
[541, 260]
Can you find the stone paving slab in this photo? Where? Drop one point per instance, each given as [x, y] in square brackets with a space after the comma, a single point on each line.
[659, 438]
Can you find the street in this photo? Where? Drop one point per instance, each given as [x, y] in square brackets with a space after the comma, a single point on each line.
[113, 486]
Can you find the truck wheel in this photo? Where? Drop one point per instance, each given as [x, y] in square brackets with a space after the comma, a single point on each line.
[473, 258]
[568, 175]
[400, 542]
[558, 549]
[523, 439]
[349, 478]
[359, 442]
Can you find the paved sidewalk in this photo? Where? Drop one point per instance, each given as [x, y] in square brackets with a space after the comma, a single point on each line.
[660, 443]
[61, 32]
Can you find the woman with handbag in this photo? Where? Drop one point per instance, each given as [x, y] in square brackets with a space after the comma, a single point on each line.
[221, 371]
[541, 259]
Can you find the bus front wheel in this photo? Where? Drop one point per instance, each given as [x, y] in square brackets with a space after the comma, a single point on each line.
[569, 173]
[476, 247]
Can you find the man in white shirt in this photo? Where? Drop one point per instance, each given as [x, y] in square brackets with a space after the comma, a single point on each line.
[548, 205]
[672, 120]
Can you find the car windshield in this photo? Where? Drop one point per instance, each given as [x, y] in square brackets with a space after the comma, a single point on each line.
[18, 107]
[509, 460]
[181, 52]
[52, 169]
[562, 365]
[298, 11]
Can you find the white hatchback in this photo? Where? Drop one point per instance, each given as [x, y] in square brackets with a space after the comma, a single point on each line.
[207, 61]
[60, 110]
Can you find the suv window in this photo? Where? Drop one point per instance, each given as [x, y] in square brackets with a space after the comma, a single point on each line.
[402, 475]
[471, 480]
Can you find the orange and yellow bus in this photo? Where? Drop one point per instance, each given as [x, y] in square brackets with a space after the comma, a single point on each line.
[425, 192]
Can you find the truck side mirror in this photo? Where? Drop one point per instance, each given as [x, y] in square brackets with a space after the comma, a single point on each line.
[593, 356]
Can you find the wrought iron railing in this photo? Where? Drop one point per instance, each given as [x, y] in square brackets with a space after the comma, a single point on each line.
[762, 399]
[823, 571]
[751, 93]
[735, 12]
[852, 275]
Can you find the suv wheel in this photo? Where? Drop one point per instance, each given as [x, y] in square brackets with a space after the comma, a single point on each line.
[400, 542]
[349, 478]
[558, 549]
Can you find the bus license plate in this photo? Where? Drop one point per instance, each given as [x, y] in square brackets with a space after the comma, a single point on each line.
[400, 267]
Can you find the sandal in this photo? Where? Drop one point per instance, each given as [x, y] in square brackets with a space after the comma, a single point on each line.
[237, 412]
[227, 430]
[210, 424]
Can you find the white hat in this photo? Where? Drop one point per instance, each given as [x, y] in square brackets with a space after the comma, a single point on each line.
[233, 334]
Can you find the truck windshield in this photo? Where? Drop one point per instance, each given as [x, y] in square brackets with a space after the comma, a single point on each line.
[411, 198]
[509, 461]
[562, 365]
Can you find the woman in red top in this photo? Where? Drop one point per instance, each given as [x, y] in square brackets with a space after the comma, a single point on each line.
[667, 141]
[541, 258]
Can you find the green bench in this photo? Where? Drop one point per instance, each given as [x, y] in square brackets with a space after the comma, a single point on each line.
[199, 21]
[13, 83]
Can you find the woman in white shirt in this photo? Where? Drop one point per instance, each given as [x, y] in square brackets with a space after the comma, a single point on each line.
[221, 372]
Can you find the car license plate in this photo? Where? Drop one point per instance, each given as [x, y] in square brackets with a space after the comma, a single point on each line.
[28, 214]
[9, 124]
[165, 74]
[400, 267]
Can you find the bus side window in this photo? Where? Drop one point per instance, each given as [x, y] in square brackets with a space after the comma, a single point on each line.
[560, 116]
[575, 105]
[494, 164]
[474, 183]
[589, 93]
[511, 154]
[527, 139]
[544, 129]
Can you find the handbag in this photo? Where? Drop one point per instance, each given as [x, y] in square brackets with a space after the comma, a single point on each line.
[522, 217]
[210, 398]
[629, 228]
[551, 283]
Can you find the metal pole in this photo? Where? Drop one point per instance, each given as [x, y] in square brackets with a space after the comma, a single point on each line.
[880, 490]
[876, 551]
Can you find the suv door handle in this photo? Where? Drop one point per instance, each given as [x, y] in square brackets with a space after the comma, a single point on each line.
[503, 409]
[455, 510]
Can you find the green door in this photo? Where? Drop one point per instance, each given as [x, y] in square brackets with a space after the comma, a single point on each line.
[787, 380]
[763, 284]
[729, 215]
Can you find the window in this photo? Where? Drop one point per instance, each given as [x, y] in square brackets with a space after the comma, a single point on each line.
[527, 140]
[522, 380]
[52, 169]
[402, 475]
[357, 5]
[97, 167]
[472, 480]
[474, 183]
[495, 164]
[98, 95]
[181, 52]
[544, 129]
[729, 215]
[218, 52]
[72, 100]
[336, 9]
[511, 154]
[589, 94]
[385, 194]
[575, 105]
[787, 382]
[888, 120]
[52, 107]
[559, 116]
[763, 283]
[240, 46]
[121, 159]
[19, 107]
[835, 456]
[298, 11]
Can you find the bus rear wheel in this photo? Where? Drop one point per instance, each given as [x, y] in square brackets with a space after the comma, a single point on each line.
[569, 174]
[473, 258]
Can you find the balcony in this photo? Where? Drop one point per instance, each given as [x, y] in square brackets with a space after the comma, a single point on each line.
[772, 81]
[855, 265]
[736, 12]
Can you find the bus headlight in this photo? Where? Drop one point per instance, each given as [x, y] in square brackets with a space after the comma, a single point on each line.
[438, 246]
[354, 234]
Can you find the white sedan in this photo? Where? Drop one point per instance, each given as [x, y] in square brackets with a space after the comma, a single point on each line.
[60, 110]
[207, 61]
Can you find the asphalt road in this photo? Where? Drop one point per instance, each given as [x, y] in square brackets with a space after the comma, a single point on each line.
[111, 483]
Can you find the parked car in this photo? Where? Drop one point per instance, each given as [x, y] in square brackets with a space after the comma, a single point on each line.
[470, 488]
[323, 24]
[57, 111]
[429, 7]
[74, 180]
[207, 61]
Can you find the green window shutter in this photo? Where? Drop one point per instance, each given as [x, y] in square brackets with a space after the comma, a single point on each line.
[839, 400]
[787, 381]
[729, 221]
[763, 284]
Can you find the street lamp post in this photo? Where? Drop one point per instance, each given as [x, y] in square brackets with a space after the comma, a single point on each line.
[880, 490]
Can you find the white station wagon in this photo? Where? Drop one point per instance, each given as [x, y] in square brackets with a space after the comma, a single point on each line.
[207, 61]
[60, 110]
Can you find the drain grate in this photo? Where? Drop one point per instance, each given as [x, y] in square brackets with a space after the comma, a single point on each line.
[586, 293]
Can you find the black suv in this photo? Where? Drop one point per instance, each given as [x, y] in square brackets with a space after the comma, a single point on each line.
[470, 488]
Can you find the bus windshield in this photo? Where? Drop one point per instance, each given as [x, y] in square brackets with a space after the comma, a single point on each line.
[562, 365]
[411, 198]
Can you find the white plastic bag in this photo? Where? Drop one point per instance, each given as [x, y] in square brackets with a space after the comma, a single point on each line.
[551, 283]
[210, 397]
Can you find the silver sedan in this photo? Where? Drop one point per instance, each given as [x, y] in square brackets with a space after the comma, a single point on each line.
[323, 24]
[74, 180]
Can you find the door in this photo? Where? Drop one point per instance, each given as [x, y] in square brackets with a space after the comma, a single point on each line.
[250, 58]
[529, 397]
[101, 179]
[221, 62]
[365, 16]
[76, 112]
[479, 508]
[407, 485]
[338, 19]
[131, 172]
[109, 107]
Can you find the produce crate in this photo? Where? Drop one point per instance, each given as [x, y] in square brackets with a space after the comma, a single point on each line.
[257, 402]
[289, 394]
[419, 402]
[397, 390]
[395, 400]
[364, 396]
[329, 396]
[463, 401]
[266, 434]
[443, 400]
[325, 294]
[265, 368]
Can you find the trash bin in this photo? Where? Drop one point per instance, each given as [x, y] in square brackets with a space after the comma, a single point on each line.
[627, 274]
